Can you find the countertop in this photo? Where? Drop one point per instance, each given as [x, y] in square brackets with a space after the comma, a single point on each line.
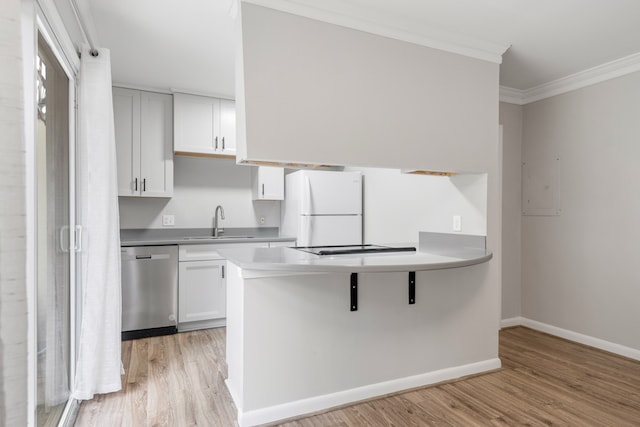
[198, 236]
[465, 250]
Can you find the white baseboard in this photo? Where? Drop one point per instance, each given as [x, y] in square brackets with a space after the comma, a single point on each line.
[601, 344]
[513, 321]
[201, 324]
[320, 403]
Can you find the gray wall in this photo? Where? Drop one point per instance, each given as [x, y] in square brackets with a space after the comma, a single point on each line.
[13, 255]
[200, 184]
[314, 92]
[511, 120]
[579, 269]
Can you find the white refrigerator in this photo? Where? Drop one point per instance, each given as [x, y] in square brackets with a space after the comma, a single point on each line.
[323, 208]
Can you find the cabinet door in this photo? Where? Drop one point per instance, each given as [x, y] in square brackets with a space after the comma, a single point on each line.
[201, 290]
[196, 127]
[126, 117]
[156, 132]
[268, 183]
[228, 126]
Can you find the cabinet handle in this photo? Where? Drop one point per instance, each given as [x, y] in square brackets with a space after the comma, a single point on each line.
[216, 141]
[263, 189]
[135, 184]
[144, 184]
[223, 143]
[223, 271]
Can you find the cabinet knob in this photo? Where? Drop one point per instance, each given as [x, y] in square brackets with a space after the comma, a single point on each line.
[223, 142]
[216, 142]
[144, 184]
[135, 184]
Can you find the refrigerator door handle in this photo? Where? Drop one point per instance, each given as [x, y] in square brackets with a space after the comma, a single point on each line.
[306, 209]
[304, 237]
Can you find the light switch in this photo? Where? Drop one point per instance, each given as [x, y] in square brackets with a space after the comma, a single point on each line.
[457, 223]
[168, 220]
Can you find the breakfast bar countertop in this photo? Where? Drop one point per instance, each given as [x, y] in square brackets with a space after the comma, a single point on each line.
[435, 251]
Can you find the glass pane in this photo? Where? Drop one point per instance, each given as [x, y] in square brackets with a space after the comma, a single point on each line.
[53, 279]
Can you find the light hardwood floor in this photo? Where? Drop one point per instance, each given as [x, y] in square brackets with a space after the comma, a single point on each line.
[178, 380]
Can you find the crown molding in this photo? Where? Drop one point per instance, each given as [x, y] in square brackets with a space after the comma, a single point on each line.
[607, 71]
[511, 95]
[449, 42]
[591, 76]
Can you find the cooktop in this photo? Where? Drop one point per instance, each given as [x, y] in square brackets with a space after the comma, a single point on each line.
[352, 249]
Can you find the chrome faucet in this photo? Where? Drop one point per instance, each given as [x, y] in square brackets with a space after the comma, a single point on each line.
[217, 231]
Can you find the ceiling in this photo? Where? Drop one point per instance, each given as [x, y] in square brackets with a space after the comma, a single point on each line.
[186, 45]
[189, 45]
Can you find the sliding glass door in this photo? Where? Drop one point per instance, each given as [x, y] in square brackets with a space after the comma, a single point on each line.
[53, 237]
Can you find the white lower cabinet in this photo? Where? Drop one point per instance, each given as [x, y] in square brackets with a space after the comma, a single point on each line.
[202, 291]
[202, 285]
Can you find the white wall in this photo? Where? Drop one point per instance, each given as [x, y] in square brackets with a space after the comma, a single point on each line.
[200, 184]
[13, 256]
[398, 206]
[511, 120]
[580, 268]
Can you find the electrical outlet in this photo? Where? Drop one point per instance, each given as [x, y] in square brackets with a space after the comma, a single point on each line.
[457, 223]
[168, 220]
[262, 220]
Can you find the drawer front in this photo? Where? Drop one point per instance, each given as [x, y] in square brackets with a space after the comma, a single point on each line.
[210, 251]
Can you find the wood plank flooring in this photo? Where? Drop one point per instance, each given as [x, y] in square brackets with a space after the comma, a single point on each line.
[178, 380]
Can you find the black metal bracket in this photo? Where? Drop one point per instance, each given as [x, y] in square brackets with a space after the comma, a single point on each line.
[354, 291]
[412, 287]
[353, 284]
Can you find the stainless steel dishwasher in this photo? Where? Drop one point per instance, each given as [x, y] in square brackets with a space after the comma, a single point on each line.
[149, 291]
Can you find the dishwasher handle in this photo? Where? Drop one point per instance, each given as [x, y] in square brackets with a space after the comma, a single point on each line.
[152, 257]
[126, 256]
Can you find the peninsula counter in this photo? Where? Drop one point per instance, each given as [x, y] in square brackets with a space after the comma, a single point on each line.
[296, 345]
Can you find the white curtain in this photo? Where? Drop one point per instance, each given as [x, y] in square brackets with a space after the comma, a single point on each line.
[98, 366]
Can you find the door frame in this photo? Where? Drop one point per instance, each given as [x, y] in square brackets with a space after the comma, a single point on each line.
[41, 17]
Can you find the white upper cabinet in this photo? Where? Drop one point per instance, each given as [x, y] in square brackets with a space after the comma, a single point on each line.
[228, 126]
[268, 183]
[204, 125]
[143, 132]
